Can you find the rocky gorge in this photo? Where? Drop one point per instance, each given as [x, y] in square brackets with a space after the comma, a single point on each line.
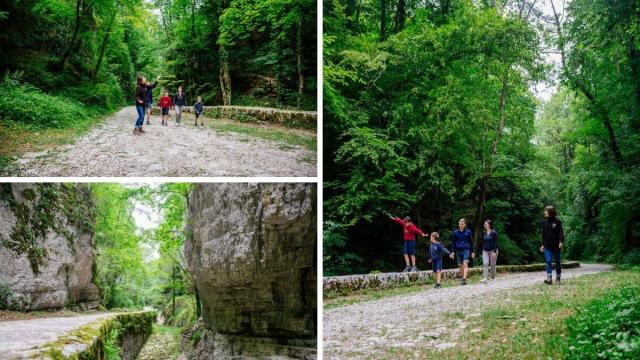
[46, 247]
[252, 252]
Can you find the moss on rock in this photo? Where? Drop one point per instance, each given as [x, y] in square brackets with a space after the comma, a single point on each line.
[43, 208]
[88, 342]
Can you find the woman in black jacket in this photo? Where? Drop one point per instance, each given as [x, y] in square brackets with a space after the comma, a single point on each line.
[141, 91]
[552, 239]
[489, 251]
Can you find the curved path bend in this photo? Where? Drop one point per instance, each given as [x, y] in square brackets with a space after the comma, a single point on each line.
[18, 337]
[367, 329]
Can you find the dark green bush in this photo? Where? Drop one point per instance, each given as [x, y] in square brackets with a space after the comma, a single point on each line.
[104, 95]
[607, 328]
[26, 104]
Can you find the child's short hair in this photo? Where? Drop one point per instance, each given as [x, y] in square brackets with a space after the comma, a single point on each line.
[435, 235]
[198, 97]
[407, 218]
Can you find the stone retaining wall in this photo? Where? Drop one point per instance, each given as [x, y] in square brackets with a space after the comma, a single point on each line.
[349, 283]
[288, 118]
[88, 342]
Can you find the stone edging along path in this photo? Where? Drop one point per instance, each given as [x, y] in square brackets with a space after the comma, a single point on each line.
[85, 341]
[289, 118]
[349, 283]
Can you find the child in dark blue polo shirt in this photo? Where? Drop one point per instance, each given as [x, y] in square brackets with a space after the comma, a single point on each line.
[436, 249]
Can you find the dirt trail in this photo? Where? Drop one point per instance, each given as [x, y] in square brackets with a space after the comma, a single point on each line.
[112, 150]
[367, 329]
[17, 337]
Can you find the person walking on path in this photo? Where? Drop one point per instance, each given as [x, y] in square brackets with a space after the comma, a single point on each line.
[436, 249]
[165, 105]
[489, 251]
[198, 109]
[148, 98]
[462, 246]
[410, 232]
[552, 239]
[179, 102]
[140, 106]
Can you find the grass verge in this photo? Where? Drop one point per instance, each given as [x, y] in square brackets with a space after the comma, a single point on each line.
[288, 139]
[541, 323]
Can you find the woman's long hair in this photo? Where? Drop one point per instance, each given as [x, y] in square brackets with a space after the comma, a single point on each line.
[551, 210]
[490, 223]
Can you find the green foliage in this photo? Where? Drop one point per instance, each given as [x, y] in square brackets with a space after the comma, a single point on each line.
[112, 350]
[120, 270]
[410, 123]
[39, 214]
[607, 328]
[24, 103]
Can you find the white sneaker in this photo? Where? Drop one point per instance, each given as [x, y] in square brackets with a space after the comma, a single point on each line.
[484, 281]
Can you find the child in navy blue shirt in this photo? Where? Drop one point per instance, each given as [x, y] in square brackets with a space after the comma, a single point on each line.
[198, 109]
[436, 249]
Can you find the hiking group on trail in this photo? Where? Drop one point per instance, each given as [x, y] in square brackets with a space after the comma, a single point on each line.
[144, 104]
[462, 248]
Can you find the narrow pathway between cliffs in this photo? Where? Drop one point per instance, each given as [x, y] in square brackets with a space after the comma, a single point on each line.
[17, 337]
[111, 150]
[368, 329]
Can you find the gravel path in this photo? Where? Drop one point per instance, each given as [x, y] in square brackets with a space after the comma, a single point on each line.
[112, 150]
[17, 337]
[367, 329]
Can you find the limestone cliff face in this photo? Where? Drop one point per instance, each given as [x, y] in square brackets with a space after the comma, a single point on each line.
[253, 256]
[46, 250]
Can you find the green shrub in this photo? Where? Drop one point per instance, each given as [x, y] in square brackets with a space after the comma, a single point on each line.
[104, 95]
[607, 328]
[185, 314]
[25, 103]
[112, 350]
[6, 297]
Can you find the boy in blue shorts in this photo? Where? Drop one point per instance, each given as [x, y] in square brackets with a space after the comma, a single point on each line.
[436, 249]
[461, 243]
[410, 232]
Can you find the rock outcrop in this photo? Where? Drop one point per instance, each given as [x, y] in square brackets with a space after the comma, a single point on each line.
[46, 248]
[253, 257]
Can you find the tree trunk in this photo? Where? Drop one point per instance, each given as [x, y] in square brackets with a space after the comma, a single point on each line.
[400, 16]
[488, 168]
[193, 40]
[74, 38]
[225, 77]
[300, 62]
[103, 48]
[173, 294]
[383, 19]
[598, 110]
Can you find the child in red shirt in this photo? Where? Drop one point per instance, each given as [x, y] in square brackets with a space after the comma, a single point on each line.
[410, 232]
[165, 104]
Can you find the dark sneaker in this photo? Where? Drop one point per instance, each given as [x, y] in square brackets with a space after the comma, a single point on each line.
[414, 269]
[557, 281]
[407, 269]
[548, 282]
[438, 286]
[464, 281]
[148, 123]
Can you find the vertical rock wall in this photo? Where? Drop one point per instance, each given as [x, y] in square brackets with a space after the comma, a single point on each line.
[253, 256]
[46, 247]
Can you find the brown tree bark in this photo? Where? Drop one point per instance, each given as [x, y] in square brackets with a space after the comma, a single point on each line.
[299, 56]
[103, 47]
[225, 77]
